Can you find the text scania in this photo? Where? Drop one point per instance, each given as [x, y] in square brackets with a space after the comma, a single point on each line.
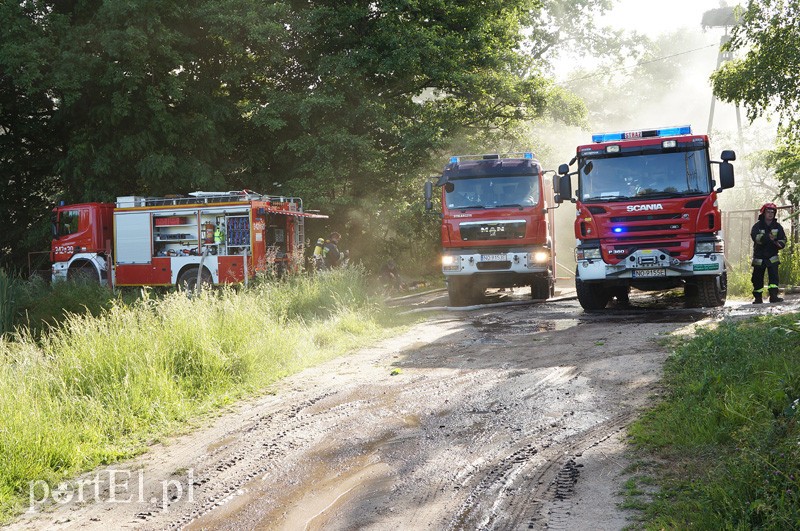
[639, 208]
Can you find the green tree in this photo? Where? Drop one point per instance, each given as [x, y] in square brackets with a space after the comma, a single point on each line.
[767, 77]
[341, 103]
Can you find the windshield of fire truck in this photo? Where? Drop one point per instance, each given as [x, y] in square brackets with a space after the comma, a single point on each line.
[492, 192]
[641, 176]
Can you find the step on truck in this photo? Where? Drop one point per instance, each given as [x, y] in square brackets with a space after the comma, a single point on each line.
[647, 216]
[208, 237]
[497, 226]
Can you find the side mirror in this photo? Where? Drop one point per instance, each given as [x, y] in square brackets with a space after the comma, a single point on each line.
[54, 230]
[726, 179]
[728, 155]
[563, 169]
[564, 188]
[428, 195]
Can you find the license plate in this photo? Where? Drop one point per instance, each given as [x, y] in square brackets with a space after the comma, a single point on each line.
[493, 257]
[649, 273]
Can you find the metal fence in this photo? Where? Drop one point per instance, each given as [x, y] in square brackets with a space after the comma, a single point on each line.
[737, 225]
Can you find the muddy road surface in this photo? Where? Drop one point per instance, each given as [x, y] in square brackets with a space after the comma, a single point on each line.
[508, 416]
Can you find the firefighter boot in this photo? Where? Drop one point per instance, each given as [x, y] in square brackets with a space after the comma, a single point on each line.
[773, 295]
[757, 298]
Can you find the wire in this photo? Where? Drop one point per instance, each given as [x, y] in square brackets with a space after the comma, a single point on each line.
[607, 71]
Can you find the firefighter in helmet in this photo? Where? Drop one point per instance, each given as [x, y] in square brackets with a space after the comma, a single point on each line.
[319, 257]
[330, 252]
[768, 238]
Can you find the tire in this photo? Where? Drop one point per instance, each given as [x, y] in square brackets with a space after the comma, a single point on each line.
[83, 272]
[591, 296]
[622, 294]
[541, 289]
[463, 292]
[187, 280]
[712, 291]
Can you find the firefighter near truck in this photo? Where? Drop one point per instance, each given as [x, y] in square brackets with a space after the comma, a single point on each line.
[647, 216]
[204, 237]
[497, 227]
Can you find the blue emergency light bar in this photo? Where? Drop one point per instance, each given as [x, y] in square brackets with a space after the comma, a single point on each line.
[457, 158]
[648, 133]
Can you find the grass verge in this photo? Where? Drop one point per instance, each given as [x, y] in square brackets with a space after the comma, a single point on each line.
[726, 438]
[95, 389]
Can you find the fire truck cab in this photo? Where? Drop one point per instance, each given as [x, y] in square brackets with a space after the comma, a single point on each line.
[647, 215]
[497, 226]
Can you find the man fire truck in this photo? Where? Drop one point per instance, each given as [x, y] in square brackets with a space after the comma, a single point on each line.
[210, 237]
[497, 230]
[647, 215]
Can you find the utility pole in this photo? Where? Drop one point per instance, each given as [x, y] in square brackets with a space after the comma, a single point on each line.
[724, 17]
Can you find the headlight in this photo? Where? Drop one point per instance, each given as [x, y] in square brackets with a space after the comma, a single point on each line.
[590, 253]
[717, 246]
[539, 257]
[450, 262]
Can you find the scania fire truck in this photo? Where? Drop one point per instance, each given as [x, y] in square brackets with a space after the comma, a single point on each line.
[210, 237]
[497, 228]
[647, 215]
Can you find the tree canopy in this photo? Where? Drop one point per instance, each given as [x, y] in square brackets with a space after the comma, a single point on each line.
[334, 101]
[766, 78]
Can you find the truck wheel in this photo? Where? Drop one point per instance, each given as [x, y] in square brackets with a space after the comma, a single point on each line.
[187, 280]
[541, 289]
[462, 292]
[591, 296]
[621, 293]
[712, 291]
[82, 272]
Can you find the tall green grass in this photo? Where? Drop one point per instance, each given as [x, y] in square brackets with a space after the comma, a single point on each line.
[96, 389]
[729, 430]
[739, 275]
[7, 303]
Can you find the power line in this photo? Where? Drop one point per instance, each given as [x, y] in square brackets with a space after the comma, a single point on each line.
[607, 71]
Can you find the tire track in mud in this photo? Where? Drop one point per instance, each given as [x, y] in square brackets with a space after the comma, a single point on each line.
[256, 452]
[484, 429]
[511, 491]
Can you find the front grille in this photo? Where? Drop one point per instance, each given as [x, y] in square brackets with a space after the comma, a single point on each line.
[493, 266]
[646, 228]
[500, 230]
[645, 217]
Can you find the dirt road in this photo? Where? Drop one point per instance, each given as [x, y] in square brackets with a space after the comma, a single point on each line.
[504, 417]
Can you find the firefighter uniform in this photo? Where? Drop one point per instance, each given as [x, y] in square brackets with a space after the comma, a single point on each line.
[768, 239]
[319, 254]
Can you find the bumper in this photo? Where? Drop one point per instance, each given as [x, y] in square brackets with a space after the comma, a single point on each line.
[649, 264]
[515, 262]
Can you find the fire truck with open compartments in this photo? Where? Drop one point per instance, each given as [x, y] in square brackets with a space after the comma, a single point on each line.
[647, 215]
[497, 227]
[210, 237]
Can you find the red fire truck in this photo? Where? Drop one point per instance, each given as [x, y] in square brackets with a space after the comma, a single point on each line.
[647, 215]
[213, 237]
[497, 228]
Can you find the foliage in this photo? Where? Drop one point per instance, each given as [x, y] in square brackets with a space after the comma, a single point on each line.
[339, 103]
[728, 426]
[7, 303]
[767, 77]
[785, 159]
[94, 390]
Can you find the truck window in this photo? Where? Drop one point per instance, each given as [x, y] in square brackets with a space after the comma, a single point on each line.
[490, 192]
[68, 222]
[637, 176]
